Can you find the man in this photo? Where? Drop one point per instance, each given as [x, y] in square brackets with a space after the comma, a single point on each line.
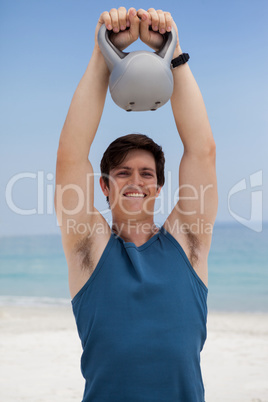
[139, 293]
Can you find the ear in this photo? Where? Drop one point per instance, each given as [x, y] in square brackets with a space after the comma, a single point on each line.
[158, 191]
[104, 187]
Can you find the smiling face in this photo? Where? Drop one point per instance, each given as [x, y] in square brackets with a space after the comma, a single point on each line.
[133, 186]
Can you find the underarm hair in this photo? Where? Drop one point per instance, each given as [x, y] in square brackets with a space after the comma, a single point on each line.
[193, 244]
[82, 248]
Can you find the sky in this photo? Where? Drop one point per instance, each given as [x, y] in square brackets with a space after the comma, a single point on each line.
[45, 47]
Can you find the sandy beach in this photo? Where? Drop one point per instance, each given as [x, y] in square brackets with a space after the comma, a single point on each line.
[40, 356]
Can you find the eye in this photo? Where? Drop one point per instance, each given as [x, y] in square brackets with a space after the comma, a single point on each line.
[122, 173]
[147, 174]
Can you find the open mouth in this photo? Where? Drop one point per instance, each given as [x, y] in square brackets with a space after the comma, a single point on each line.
[135, 195]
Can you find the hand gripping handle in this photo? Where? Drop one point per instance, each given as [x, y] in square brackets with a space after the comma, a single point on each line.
[113, 55]
[169, 45]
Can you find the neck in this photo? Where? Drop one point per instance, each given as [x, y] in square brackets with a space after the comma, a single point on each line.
[134, 231]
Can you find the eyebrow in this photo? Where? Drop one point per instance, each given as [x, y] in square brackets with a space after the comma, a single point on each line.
[129, 168]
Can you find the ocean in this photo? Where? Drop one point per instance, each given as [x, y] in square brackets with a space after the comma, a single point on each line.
[33, 270]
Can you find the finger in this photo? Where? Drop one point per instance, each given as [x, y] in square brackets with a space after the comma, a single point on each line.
[162, 22]
[114, 19]
[168, 21]
[134, 23]
[122, 16]
[144, 24]
[106, 19]
[130, 14]
[144, 16]
[154, 18]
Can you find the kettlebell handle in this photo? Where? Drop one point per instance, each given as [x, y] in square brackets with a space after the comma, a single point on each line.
[113, 55]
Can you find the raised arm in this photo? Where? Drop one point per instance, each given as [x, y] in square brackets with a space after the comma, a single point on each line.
[198, 201]
[74, 173]
[78, 133]
[192, 219]
[82, 237]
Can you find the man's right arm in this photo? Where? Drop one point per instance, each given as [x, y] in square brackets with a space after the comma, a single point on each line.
[74, 172]
[74, 195]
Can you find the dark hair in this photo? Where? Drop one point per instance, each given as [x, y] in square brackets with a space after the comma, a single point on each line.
[119, 148]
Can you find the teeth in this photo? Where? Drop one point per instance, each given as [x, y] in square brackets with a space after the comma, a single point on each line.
[137, 195]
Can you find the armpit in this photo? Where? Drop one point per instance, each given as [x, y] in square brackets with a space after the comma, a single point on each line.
[83, 250]
[193, 244]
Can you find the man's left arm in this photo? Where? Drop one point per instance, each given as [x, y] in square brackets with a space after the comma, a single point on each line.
[192, 218]
[198, 200]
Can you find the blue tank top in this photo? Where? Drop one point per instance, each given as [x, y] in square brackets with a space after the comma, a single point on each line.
[141, 318]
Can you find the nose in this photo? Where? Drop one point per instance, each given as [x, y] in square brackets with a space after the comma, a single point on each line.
[136, 179]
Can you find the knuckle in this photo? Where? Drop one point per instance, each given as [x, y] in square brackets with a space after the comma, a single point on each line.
[114, 17]
[105, 18]
[155, 17]
[122, 13]
[104, 14]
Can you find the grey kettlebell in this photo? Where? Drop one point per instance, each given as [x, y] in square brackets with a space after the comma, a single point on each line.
[140, 80]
